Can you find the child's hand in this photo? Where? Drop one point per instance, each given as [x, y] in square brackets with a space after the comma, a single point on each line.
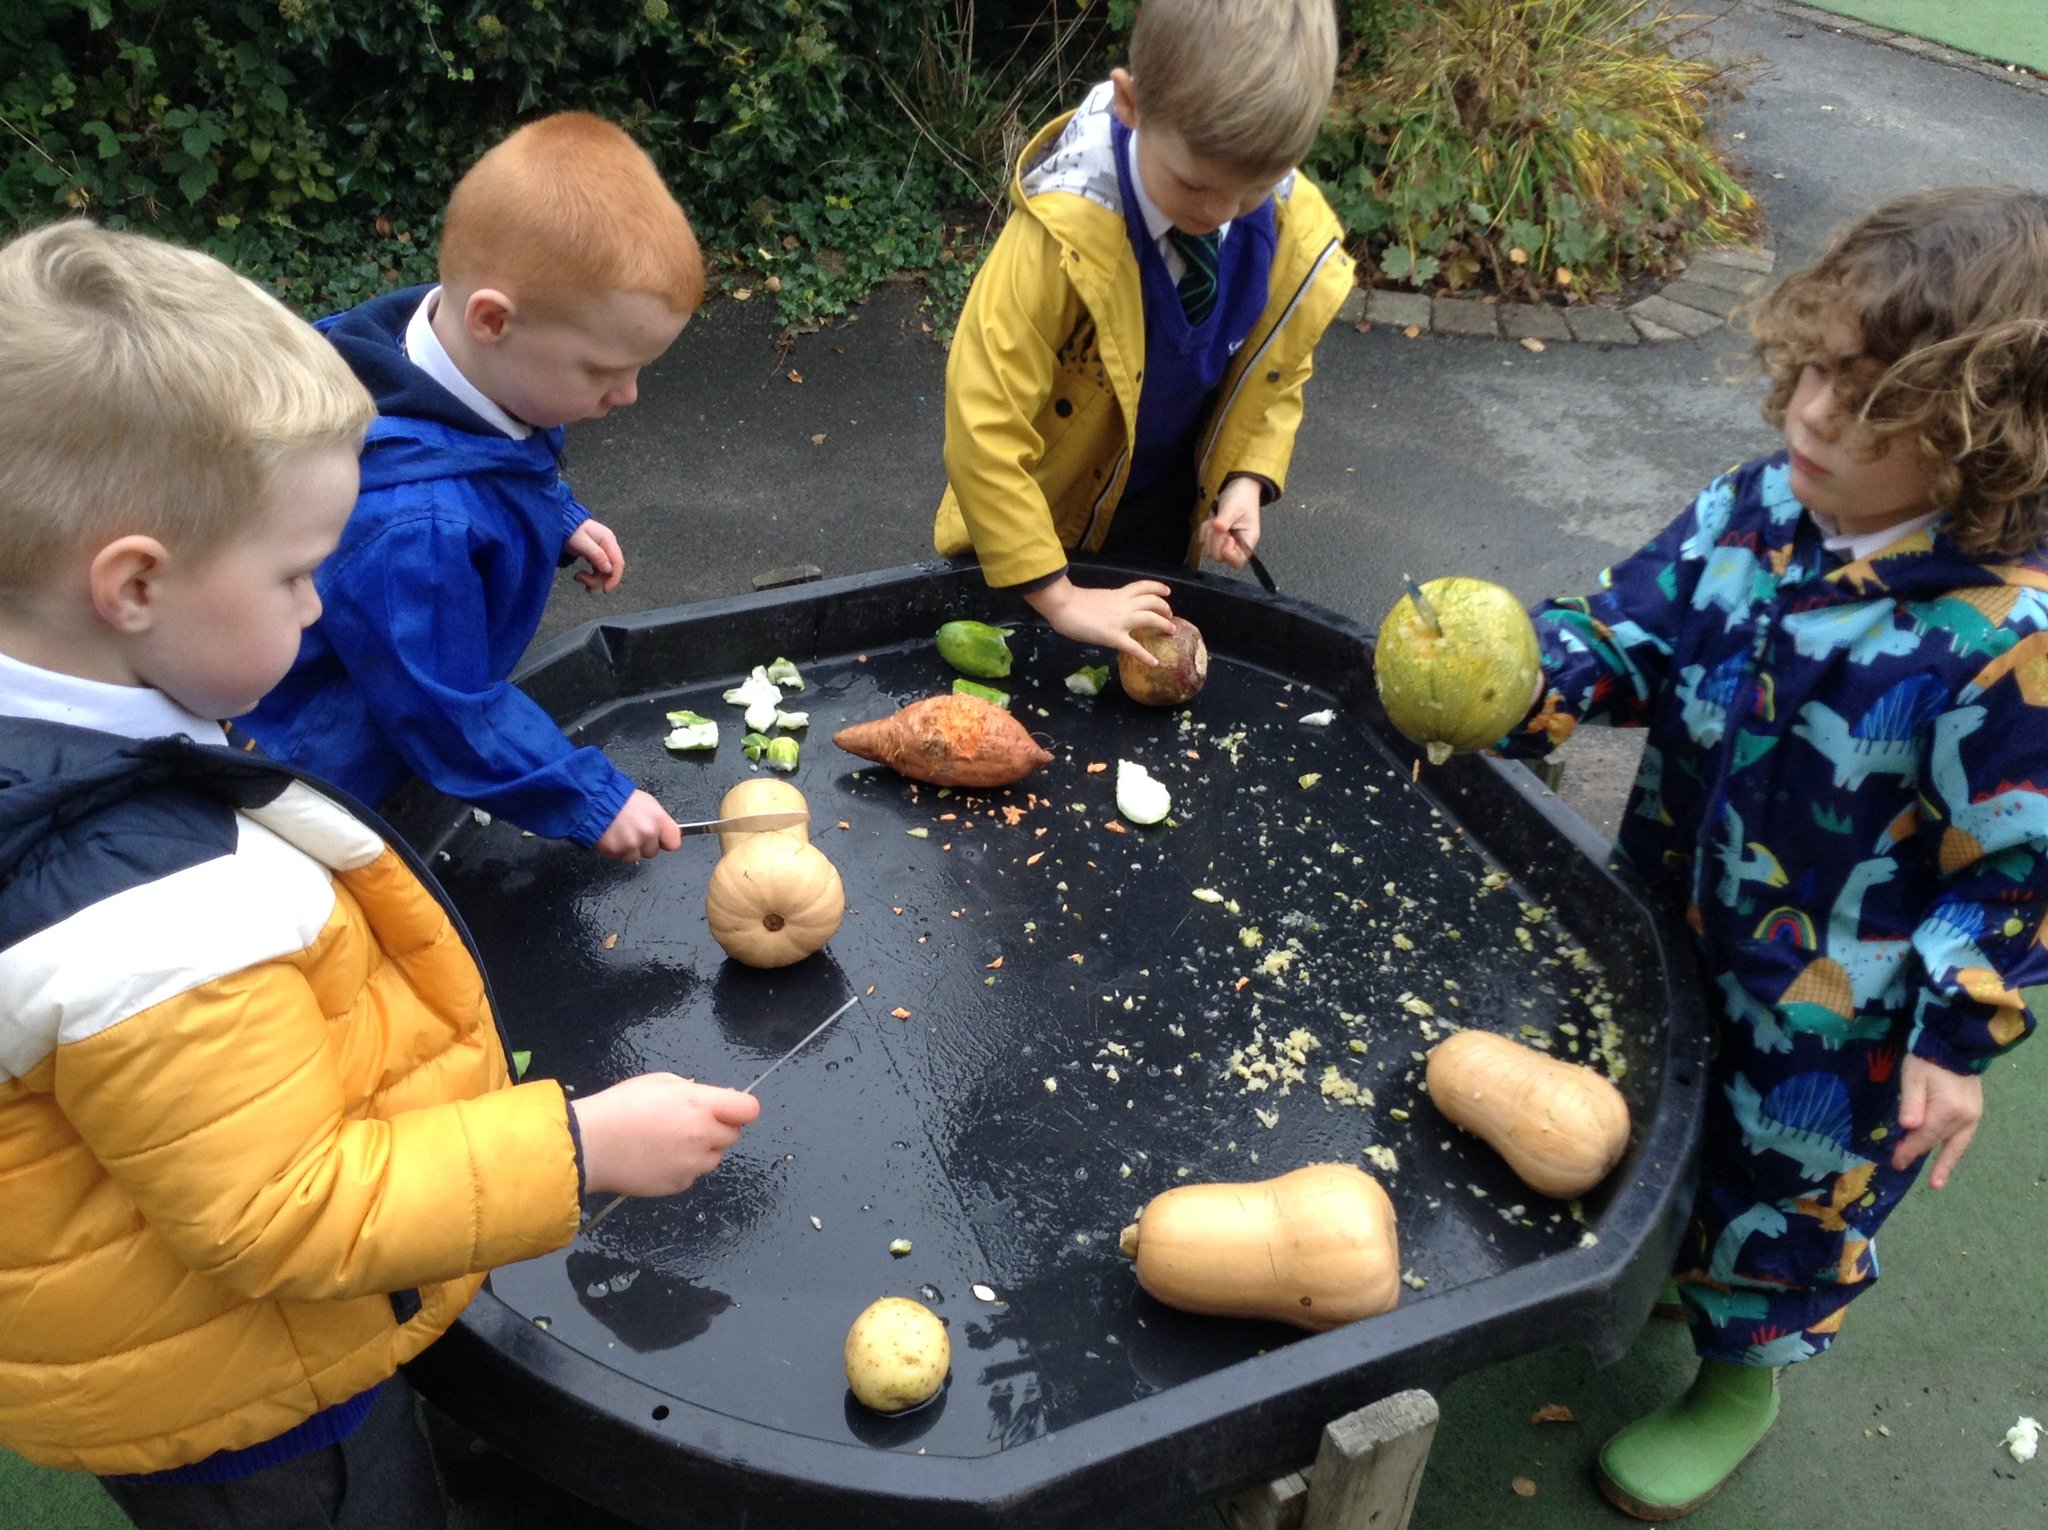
[1105, 617]
[657, 1134]
[642, 831]
[596, 545]
[1936, 1106]
[1237, 510]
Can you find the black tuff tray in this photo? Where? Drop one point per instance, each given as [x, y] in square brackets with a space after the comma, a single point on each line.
[1083, 1032]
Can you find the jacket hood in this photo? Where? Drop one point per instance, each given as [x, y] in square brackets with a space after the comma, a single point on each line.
[1072, 153]
[55, 777]
[422, 431]
[1923, 565]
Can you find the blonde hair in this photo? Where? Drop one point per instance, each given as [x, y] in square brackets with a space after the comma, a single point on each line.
[1948, 293]
[1245, 82]
[567, 209]
[148, 389]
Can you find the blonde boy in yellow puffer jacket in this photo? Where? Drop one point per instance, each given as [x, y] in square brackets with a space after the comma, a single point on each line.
[258, 1141]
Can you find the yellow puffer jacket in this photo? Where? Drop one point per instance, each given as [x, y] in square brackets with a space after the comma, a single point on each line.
[1043, 381]
[257, 1137]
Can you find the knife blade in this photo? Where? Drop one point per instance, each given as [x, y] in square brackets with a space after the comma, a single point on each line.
[749, 823]
[619, 1200]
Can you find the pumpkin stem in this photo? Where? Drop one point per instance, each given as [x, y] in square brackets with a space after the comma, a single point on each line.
[771, 922]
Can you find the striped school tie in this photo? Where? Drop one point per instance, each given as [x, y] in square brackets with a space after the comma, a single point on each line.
[1197, 287]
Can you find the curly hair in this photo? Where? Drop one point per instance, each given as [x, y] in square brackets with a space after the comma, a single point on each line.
[1948, 291]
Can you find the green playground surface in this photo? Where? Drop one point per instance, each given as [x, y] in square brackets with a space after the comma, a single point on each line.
[2009, 31]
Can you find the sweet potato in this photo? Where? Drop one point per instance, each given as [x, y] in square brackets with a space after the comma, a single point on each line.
[948, 740]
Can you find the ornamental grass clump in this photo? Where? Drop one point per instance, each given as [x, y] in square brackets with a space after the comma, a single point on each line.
[1529, 147]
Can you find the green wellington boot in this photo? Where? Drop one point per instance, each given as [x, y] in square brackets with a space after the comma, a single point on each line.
[1667, 1464]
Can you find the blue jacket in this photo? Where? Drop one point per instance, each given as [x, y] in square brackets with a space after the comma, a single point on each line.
[1845, 784]
[436, 590]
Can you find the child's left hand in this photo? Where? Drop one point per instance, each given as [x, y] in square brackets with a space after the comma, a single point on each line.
[596, 545]
[1936, 1106]
[1237, 510]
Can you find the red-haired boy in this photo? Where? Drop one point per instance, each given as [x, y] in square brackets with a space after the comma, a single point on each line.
[566, 266]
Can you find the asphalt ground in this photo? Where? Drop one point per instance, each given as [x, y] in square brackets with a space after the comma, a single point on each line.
[1432, 456]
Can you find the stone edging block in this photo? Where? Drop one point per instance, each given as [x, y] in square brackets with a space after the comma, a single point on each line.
[1715, 282]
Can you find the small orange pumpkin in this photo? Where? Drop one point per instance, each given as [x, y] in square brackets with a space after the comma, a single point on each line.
[773, 901]
[762, 794]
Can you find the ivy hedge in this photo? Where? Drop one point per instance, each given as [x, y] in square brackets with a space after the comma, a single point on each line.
[818, 145]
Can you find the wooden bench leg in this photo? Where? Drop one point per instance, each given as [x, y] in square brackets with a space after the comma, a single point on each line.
[1365, 1477]
[1369, 1468]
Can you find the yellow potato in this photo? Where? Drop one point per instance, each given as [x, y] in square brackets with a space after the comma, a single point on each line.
[897, 1354]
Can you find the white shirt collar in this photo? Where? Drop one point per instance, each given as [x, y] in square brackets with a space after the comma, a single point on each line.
[1156, 222]
[1856, 546]
[424, 350]
[132, 711]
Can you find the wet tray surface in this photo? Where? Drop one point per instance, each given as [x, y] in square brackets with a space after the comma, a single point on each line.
[1062, 1015]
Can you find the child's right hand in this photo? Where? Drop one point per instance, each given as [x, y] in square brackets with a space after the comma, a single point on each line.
[657, 1134]
[642, 831]
[1105, 617]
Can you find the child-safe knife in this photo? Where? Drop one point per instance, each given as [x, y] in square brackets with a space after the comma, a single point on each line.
[619, 1200]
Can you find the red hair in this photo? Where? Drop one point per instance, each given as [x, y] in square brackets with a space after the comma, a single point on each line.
[566, 209]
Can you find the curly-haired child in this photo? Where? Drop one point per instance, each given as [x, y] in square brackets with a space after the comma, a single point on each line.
[1840, 653]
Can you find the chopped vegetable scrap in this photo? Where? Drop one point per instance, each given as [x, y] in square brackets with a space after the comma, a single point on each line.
[900, 1013]
[1140, 796]
[690, 731]
[987, 693]
[975, 648]
[1088, 680]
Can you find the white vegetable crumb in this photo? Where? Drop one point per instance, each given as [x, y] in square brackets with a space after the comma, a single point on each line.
[1208, 895]
[899, 1247]
[482, 818]
[2023, 1439]
[984, 1293]
[1052, 1086]
[817, 1224]
[1321, 719]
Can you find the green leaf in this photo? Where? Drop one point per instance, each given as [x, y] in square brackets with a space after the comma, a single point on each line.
[520, 1062]
[195, 183]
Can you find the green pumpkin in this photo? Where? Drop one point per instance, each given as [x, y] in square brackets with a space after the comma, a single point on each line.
[1464, 686]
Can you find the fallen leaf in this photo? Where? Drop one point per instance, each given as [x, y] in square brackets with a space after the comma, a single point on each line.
[844, 824]
[610, 941]
[1553, 1413]
[1412, 331]
[900, 1012]
[991, 966]
[818, 439]
[741, 294]
[773, 284]
[1523, 1487]
[794, 375]
[1531, 343]
[1519, 256]
[1564, 276]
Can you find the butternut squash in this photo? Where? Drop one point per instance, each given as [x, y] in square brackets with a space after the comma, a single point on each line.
[772, 901]
[762, 794]
[1561, 1127]
[1315, 1248]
